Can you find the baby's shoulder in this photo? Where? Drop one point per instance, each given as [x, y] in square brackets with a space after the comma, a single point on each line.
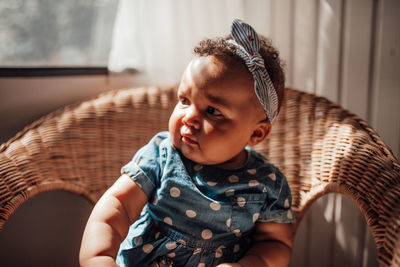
[153, 149]
[160, 140]
[257, 159]
[161, 136]
[262, 164]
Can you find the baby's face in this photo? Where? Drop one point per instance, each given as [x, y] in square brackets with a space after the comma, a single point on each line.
[217, 113]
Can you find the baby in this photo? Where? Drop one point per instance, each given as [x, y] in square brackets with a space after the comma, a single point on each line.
[197, 195]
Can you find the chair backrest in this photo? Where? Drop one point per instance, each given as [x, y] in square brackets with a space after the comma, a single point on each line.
[323, 148]
[320, 147]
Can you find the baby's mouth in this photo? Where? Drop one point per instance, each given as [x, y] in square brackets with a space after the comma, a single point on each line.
[188, 139]
[187, 136]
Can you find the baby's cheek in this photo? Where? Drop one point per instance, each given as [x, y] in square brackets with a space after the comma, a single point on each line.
[173, 123]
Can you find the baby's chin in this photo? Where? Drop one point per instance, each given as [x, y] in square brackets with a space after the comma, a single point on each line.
[202, 161]
[197, 159]
[193, 156]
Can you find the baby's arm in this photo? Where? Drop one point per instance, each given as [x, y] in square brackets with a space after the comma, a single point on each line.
[109, 222]
[271, 246]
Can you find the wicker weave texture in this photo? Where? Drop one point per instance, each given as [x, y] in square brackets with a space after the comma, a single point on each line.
[320, 147]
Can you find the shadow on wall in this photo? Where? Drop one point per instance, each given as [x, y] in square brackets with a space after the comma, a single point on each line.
[46, 230]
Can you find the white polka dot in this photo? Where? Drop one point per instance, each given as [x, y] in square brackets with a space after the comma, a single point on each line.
[219, 252]
[215, 206]
[252, 171]
[272, 176]
[196, 251]
[171, 255]
[138, 240]
[286, 205]
[147, 248]
[265, 190]
[201, 265]
[241, 201]
[290, 214]
[198, 167]
[170, 245]
[230, 192]
[236, 248]
[253, 183]
[229, 222]
[158, 141]
[256, 216]
[237, 232]
[168, 220]
[212, 183]
[206, 234]
[233, 179]
[155, 200]
[175, 192]
[191, 213]
[157, 235]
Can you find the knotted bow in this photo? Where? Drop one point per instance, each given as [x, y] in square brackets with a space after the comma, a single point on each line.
[248, 45]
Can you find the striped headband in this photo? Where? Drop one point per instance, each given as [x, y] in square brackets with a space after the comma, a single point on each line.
[247, 46]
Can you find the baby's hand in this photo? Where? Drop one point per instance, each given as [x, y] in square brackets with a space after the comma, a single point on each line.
[230, 265]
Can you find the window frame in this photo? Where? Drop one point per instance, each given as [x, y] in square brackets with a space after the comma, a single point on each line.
[51, 71]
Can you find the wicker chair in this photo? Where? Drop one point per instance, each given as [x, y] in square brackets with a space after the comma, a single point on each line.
[321, 148]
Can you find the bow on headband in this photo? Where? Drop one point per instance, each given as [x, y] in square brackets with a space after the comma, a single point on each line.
[248, 45]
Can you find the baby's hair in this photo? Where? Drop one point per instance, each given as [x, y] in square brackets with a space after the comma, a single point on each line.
[219, 47]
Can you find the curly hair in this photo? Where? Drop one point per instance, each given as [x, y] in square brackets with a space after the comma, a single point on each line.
[219, 47]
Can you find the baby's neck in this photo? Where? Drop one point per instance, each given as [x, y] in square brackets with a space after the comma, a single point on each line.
[236, 162]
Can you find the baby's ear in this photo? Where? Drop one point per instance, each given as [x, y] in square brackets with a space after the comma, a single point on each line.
[260, 133]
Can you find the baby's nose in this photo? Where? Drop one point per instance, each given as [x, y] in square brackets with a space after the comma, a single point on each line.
[192, 118]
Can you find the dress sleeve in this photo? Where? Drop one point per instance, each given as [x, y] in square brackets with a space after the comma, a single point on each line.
[144, 168]
[277, 207]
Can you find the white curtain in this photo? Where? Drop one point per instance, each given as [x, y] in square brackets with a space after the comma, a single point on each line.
[157, 37]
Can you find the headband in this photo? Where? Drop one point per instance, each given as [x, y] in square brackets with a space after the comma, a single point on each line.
[247, 46]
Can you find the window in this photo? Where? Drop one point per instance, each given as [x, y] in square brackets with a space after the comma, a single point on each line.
[61, 33]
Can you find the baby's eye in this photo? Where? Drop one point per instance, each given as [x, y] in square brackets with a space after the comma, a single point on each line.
[213, 112]
[183, 101]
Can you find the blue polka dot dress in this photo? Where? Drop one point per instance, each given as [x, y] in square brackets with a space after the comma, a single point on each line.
[199, 215]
